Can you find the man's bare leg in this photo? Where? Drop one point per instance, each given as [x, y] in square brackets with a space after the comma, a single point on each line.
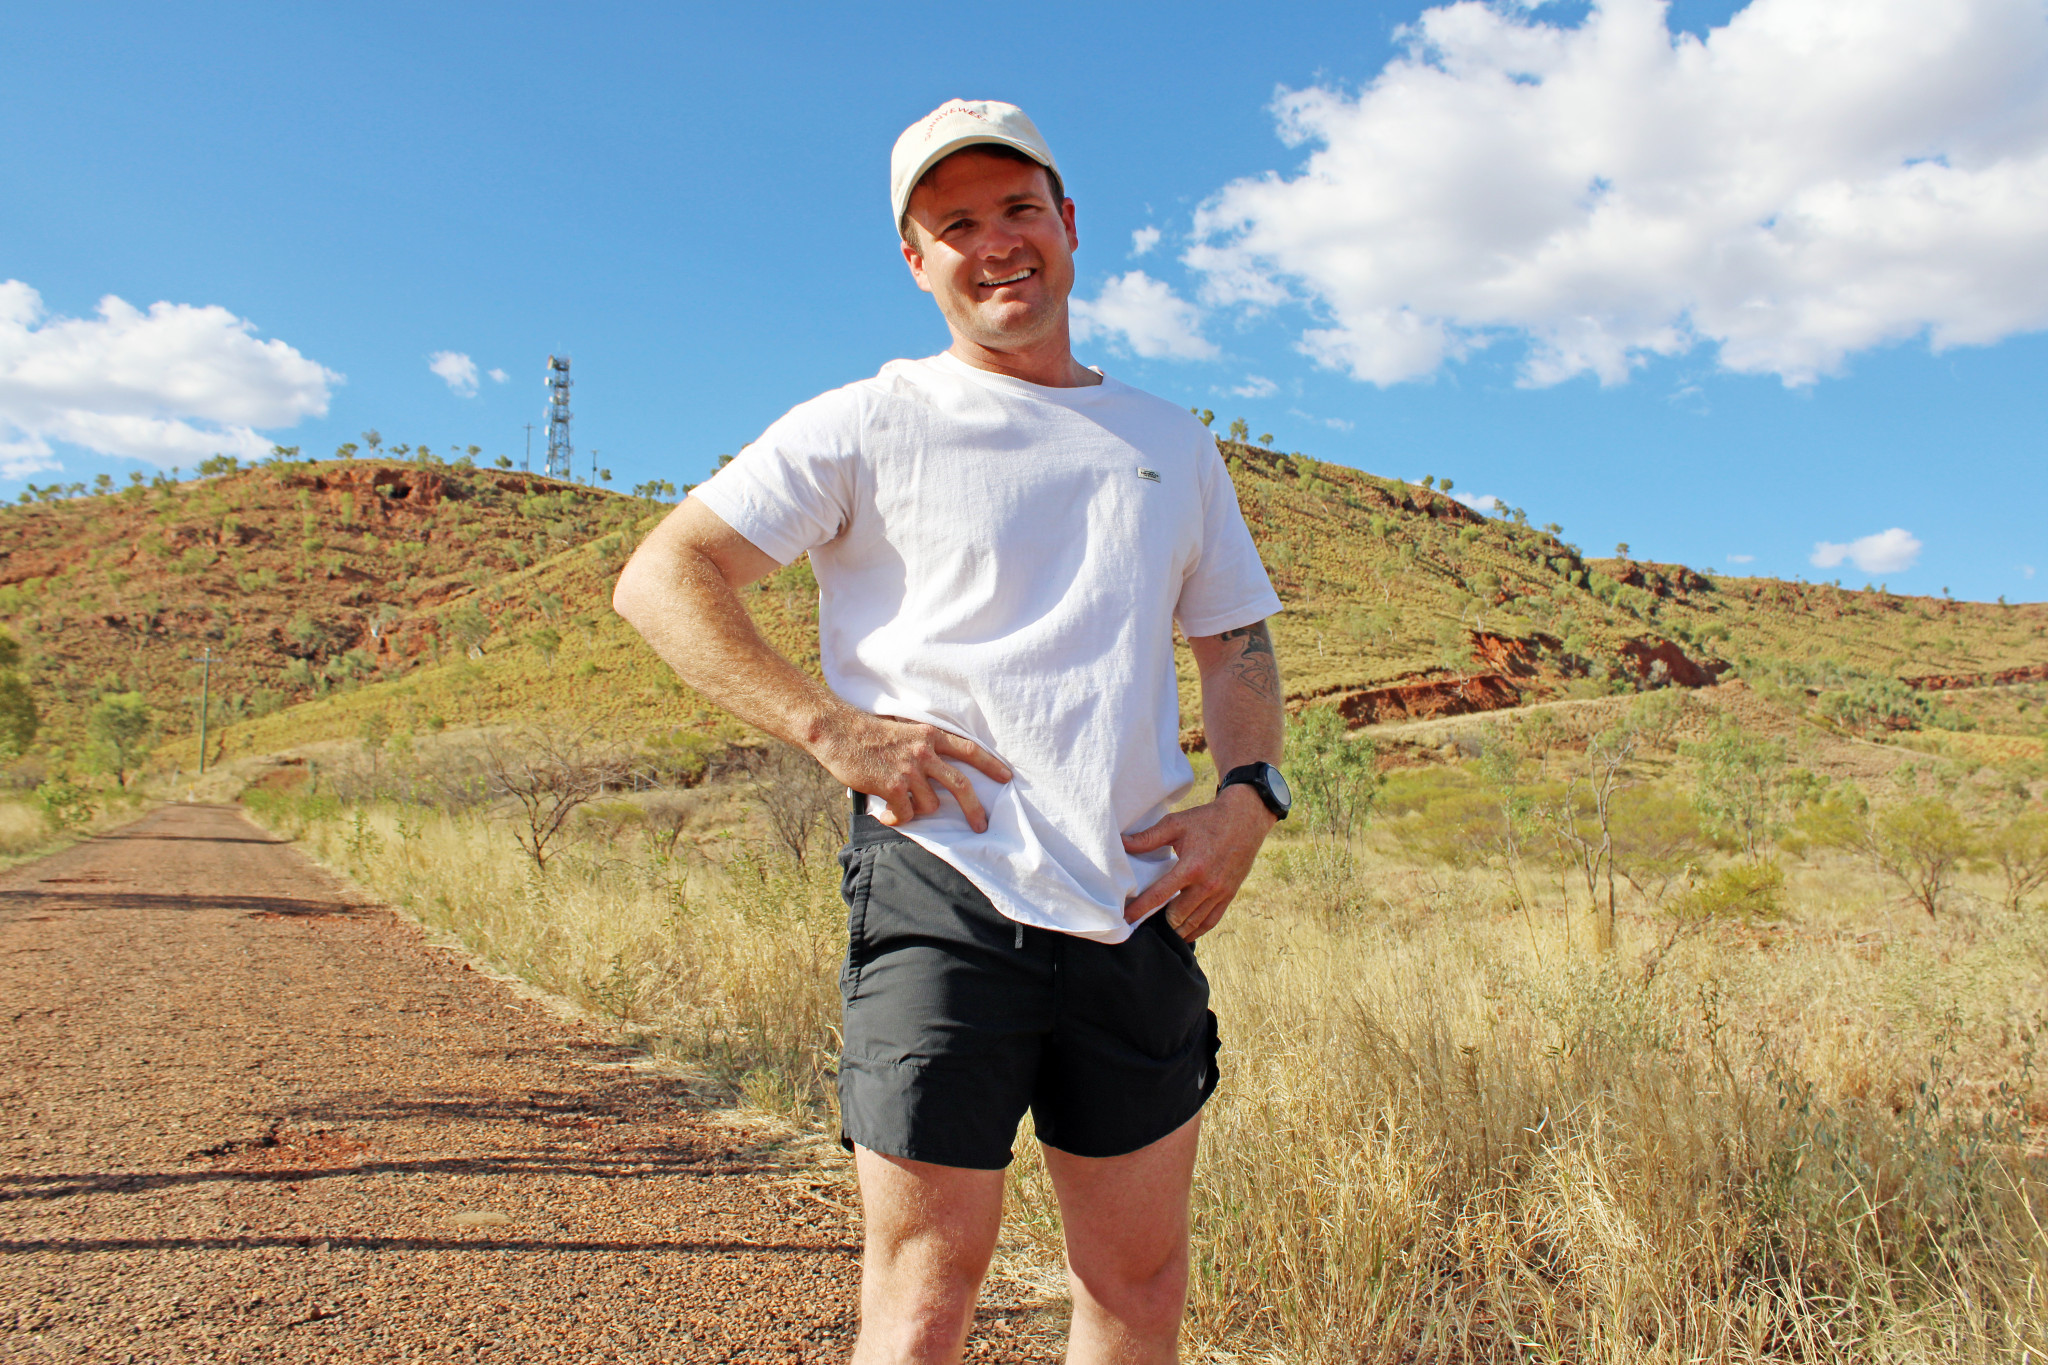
[930, 1231]
[1126, 1220]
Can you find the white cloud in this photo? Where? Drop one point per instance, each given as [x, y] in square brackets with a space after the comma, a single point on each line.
[1256, 386]
[1143, 240]
[1333, 423]
[1145, 315]
[1886, 552]
[457, 370]
[499, 376]
[1485, 502]
[171, 385]
[1813, 179]
[2026, 571]
[1742, 559]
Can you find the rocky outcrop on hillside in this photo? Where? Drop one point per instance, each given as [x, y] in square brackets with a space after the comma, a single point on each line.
[1952, 682]
[1657, 660]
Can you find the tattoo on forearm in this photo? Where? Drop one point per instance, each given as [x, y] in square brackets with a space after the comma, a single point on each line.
[1255, 665]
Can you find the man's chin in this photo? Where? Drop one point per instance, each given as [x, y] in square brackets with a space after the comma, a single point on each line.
[1008, 326]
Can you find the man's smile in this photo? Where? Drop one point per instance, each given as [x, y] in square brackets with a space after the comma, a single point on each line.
[1021, 275]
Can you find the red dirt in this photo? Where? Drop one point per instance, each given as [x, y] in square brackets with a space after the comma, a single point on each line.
[249, 1118]
[1951, 682]
[1427, 699]
[1516, 658]
[1645, 654]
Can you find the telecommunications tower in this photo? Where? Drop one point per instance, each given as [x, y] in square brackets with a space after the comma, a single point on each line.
[560, 453]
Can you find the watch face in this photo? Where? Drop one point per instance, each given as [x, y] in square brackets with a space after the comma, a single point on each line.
[1277, 784]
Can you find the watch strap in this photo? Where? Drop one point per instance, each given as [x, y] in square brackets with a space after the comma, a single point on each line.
[1253, 775]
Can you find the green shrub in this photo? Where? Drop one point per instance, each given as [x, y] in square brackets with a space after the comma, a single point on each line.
[118, 725]
[1657, 837]
[2018, 851]
[1740, 891]
[1335, 778]
[65, 805]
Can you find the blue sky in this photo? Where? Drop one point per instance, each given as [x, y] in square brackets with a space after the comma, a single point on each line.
[1710, 348]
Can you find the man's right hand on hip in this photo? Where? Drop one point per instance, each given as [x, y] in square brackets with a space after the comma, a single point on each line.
[905, 763]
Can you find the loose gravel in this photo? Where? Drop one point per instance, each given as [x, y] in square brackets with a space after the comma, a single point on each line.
[245, 1116]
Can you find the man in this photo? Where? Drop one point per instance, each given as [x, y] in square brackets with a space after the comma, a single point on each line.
[1003, 541]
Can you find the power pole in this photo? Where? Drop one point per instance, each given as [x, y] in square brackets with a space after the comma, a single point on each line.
[206, 663]
[527, 463]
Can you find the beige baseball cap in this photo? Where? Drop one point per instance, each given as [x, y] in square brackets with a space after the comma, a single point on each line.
[951, 126]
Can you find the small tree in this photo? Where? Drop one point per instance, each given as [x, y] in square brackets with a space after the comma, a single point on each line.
[548, 641]
[548, 776]
[1504, 766]
[375, 730]
[796, 795]
[1737, 791]
[1336, 779]
[19, 719]
[470, 627]
[1582, 819]
[1656, 840]
[65, 805]
[2019, 851]
[118, 725]
[1922, 844]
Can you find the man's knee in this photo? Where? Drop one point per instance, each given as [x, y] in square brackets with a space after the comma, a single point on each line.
[1146, 1296]
[930, 1233]
[918, 1297]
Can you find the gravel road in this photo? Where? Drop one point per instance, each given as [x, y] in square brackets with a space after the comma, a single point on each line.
[245, 1117]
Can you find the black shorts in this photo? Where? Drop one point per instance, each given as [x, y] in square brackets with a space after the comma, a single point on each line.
[958, 1020]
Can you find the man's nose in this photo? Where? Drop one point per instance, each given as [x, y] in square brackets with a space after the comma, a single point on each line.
[998, 240]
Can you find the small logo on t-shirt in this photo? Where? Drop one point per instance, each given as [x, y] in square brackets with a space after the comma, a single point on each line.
[1145, 473]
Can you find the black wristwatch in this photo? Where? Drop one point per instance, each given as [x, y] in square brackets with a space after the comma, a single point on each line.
[1265, 779]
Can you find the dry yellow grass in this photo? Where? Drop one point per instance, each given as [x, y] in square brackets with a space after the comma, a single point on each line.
[22, 829]
[1446, 1132]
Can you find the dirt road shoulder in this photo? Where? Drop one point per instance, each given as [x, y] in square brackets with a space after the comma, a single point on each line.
[242, 1118]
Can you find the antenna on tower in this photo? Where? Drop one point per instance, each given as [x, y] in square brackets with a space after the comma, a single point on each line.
[561, 454]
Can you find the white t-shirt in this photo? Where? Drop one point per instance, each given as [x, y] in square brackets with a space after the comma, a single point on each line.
[1006, 561]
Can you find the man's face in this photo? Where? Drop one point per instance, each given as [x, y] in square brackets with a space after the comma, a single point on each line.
[990, 246]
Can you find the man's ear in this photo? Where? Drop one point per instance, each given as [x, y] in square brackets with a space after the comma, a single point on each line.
[1067, 218]
[914, 258]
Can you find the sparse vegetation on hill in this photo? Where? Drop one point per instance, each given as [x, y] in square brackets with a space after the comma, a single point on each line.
[433, 595]
[302, 579]
[1390, 583]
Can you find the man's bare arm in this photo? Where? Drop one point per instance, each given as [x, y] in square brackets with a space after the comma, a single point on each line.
[1216, 843]
[681, 592]
[1241, 700]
